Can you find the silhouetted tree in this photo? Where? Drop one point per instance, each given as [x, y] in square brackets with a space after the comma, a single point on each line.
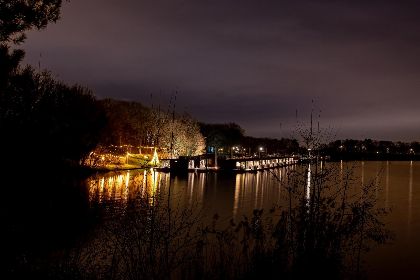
[41, 119]
[18, 16]
[231, 134]
[222, 135]
[44, 120]
[126, 123]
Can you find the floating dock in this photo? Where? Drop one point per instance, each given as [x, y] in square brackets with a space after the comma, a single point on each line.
[206, 163]
[256, 164]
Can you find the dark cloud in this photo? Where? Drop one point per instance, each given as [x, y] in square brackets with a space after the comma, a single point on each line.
[253, 62]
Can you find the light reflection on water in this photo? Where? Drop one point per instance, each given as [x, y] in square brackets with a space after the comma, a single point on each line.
[239, 194]
[232, 196]
[257, 190]
[410, 199]
[308, 183]
[123, 186]
[398, 188]
[196, 185]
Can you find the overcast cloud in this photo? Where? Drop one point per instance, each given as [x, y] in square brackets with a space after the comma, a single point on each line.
[251, 62]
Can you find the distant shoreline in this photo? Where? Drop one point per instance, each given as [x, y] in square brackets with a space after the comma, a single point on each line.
[374, 157]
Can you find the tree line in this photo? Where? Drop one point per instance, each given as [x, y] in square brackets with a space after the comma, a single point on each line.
[230, 139]
[133, 124]
[41, 119]
[371, 149]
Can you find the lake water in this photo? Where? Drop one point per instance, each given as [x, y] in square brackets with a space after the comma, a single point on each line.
[397, 187]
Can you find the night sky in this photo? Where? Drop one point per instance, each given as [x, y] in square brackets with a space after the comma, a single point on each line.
[250, 62]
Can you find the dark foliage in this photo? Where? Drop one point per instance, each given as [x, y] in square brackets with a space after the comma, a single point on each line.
[371, 149]
[231, 134]
[222, 135]
[127, 123]
[18, 16]
[43, 120]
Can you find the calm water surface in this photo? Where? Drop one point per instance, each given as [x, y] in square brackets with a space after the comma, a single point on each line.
[232, 196]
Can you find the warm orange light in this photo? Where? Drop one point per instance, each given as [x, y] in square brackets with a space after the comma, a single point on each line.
[155, 159]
